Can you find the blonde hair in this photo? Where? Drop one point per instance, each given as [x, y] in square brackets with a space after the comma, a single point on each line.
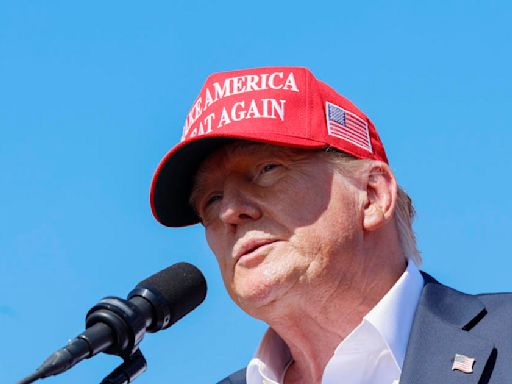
[404, 209]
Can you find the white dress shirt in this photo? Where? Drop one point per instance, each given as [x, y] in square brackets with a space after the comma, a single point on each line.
[372, 354]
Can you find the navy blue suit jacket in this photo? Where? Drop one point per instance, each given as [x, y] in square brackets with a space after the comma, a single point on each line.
[448, 322]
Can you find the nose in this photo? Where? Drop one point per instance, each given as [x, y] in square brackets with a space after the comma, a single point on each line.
[238, 205]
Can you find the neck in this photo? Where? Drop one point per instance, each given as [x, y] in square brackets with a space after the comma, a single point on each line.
[315, 320]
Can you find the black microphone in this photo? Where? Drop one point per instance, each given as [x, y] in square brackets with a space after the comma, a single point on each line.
[117, 326]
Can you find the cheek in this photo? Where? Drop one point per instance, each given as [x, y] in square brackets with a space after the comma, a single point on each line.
[340, 228]
[297, 204]
[329, 227]
[222, 253]
[215, 243]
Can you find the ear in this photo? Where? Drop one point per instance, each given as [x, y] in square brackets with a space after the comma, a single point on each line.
[381, 194]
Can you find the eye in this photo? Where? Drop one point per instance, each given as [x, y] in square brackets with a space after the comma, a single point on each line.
[204, 202]
[205, 207]
[268, 173]
[268, 167]
[212, 199]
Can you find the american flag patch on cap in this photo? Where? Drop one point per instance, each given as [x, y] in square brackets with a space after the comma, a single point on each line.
[348, 126]
[463, 363]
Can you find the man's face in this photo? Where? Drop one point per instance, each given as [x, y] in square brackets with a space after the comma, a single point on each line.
[277, 219]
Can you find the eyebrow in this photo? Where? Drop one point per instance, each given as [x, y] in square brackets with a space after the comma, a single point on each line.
[245, 148]
[233, 150]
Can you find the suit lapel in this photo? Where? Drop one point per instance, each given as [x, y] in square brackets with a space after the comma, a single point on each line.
[440, 330]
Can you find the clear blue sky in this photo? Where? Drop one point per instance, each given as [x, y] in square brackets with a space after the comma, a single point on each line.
[92, 95]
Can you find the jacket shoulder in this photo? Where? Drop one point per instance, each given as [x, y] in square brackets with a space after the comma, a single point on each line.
[235, 378]
[497, 302]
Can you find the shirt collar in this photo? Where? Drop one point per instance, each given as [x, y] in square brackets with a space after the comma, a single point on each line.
[392, 317]
[270, 361]
[394, 313]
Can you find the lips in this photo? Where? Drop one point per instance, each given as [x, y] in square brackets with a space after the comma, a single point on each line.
[248, 246]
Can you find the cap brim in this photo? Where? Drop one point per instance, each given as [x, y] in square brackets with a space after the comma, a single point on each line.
[174, 177]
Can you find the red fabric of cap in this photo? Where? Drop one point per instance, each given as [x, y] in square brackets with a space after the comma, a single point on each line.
[284, 106]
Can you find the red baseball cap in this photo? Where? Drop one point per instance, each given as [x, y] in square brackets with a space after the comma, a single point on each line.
[284, 106]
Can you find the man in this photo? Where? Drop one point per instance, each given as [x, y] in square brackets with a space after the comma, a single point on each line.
[313, 236]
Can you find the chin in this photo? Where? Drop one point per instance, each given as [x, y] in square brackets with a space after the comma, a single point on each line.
[256, 297]
[256, 289]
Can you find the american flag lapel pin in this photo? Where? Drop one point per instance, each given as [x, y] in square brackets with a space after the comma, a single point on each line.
[463, 363]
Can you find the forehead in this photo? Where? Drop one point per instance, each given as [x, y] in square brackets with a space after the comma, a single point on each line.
[246, 153]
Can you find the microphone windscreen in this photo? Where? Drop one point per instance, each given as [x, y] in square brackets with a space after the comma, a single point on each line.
[182, 285]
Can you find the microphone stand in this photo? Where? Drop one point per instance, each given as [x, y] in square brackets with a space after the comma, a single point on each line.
[128, 371]
[116, 326]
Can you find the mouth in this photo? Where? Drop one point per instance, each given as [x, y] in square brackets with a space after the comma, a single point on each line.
[250, 248]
